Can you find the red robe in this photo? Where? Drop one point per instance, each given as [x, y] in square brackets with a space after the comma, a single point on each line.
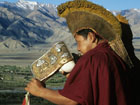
[99, 78]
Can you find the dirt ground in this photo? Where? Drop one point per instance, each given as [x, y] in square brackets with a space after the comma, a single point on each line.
[19, 58]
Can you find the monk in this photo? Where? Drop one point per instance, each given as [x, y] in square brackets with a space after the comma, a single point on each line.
[100, 76]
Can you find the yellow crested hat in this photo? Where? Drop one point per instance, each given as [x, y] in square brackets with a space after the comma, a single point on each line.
[82, 14]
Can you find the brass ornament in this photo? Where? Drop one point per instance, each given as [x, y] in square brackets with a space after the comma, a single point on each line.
[51, 61]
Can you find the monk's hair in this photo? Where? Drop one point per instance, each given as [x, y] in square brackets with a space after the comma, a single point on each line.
[84, 33]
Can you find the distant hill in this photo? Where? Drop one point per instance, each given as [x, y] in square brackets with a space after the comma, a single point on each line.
[12, 44]
[133, 16]
[28, 24]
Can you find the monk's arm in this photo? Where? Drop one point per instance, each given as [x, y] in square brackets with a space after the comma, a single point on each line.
[36, 89]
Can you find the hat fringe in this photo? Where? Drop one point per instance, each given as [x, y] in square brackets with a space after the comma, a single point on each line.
[118, 46]
[122, 19]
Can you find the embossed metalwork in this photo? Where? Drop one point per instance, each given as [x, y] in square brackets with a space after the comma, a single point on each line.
[51, 61]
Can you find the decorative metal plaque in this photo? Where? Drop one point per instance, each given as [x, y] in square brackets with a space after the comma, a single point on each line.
[51, 61]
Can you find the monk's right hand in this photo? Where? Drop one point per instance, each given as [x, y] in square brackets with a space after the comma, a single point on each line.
[34, 87]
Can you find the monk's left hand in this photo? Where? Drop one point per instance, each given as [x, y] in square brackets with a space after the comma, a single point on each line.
[34, 87]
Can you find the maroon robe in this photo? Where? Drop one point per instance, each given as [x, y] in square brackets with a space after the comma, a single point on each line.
[99, 78]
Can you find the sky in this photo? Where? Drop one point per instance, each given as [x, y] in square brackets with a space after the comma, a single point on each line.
[108, 4]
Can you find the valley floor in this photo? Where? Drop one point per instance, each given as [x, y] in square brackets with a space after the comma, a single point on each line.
[19, 58]
[27, 57]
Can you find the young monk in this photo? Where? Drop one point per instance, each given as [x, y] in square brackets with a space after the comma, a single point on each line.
[100, 77]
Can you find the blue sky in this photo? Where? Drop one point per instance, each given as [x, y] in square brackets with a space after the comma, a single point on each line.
[109, 4]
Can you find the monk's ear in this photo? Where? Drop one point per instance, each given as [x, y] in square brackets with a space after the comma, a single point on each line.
[91, 37]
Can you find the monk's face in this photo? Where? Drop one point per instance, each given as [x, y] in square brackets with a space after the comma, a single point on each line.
[84, 44]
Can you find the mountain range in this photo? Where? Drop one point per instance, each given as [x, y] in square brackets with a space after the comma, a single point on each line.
[32, 25]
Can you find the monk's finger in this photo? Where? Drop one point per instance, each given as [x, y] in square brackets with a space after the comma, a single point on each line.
[33, 80]
[27, 89]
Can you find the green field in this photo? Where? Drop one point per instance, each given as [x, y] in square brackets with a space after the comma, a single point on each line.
[14, 79]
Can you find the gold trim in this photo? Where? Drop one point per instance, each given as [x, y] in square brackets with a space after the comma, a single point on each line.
[122, 19]
[83, 28]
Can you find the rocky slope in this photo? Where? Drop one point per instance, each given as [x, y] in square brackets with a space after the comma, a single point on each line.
[28, 24]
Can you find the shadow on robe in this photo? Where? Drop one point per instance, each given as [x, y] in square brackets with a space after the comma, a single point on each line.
[127, 38]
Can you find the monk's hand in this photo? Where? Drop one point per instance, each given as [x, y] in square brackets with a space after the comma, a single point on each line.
[65, 74]
[34, 87]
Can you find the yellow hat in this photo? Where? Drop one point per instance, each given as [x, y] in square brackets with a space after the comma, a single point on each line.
[82, 14]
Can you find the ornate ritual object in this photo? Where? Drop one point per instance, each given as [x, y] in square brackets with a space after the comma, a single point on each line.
[51, 61]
